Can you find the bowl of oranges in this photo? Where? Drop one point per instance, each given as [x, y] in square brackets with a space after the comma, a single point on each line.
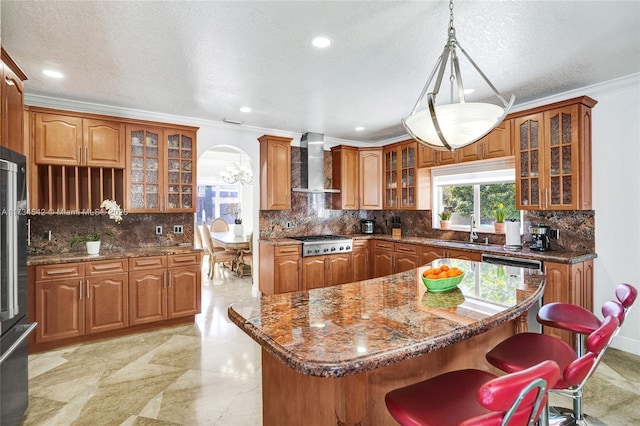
[442, 278]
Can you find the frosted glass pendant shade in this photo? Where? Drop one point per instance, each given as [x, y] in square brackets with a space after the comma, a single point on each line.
[461, 124]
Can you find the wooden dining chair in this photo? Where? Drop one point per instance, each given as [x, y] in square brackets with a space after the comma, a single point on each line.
[245, 260]
[220, 256]
[219, 225]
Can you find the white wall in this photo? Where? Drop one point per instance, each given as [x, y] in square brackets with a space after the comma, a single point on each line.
[616, 178]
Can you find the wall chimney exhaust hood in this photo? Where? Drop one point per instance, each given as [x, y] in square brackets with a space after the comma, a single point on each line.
[312, 164]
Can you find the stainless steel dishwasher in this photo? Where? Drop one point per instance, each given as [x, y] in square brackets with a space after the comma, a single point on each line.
[531, 264]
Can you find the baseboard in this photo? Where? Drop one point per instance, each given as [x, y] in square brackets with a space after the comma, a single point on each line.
[626, 344]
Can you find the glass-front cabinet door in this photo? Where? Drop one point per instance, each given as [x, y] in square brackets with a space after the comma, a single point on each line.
[529, 167]
[180, 170]
[408, 176]
[390, 178]
[144, 162]
[562, 136]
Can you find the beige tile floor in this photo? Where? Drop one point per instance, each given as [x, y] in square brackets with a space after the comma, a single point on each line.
[208, 373]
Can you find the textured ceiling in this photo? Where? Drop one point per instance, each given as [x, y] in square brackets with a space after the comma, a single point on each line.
[207, 59]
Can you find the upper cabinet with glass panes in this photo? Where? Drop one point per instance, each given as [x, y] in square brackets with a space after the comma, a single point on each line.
[161, 169]
[553, 156]
[403, 181]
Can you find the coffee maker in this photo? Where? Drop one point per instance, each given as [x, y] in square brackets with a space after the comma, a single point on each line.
[539, 237]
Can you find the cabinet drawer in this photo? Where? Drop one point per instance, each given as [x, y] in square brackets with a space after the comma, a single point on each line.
[66, 270]
[382, 245]
[407, 249]
[151, 262]
[106, 267]
[183, 259]
[360, 244]
[287, 250]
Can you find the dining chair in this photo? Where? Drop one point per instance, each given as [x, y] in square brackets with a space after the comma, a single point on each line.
[245, 260]
[219, 225]
[220, 256]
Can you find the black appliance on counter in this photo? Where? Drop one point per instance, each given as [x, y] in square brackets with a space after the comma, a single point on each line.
[539, 237]
[318, 245]
[14, 326]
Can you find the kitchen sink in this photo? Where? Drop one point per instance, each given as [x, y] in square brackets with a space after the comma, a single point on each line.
[455, 243]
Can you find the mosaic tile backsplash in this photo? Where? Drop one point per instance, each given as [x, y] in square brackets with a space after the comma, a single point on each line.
[135, 231]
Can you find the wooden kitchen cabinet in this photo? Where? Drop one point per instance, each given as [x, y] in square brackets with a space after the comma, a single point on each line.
[73, 140]
[357, 173]
[370, 178]
[280, 268]
[275, 173]
[326, 271]
[161, 168]
[344, 169]
[80, 298]
[164, 287]
[407, 257]
[391, 258]
[553, 156]
[568, 283]
[404, 183]
[494, 145]
[361, 263]
[429, 254]
[12, 105]
[382, 258]
[429, 157]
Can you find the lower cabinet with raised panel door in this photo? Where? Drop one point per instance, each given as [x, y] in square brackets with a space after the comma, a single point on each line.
[325, 271]
[361, 263]
[429, 254]
[75, 299]
[280, 267]
[390, 258]
[72, 302]
[164, 287]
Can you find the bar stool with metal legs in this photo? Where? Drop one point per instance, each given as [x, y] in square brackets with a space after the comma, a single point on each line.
[523, 350]
[582, 321]
[475, 397]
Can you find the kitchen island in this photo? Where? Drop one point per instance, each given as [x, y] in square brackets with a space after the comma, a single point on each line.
[330, 355]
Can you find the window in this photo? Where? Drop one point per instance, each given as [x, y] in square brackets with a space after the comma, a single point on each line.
[474, 189]
[217, 201]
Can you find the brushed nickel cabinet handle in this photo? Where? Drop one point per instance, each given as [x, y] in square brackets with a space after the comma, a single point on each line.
[169, 280]
[88, 290]
[80, 285]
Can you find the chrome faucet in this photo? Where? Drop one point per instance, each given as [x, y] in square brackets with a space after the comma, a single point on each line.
[472, 234]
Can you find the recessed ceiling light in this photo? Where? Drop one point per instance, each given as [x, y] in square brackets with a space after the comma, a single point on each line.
[359, 129]
[245, 109]
[321, 42]
[52, 73]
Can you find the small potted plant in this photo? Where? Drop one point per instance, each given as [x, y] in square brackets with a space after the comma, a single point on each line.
[500, 214]
[238, 229]
[445, 219]
[93, 240]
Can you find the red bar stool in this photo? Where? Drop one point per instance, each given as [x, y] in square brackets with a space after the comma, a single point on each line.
[474, 397]
[582, 321]
[523, 350]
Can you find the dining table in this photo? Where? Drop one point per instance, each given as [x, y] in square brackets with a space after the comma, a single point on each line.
[230, 241]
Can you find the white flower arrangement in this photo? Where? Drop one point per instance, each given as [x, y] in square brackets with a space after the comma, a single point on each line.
[113, 209]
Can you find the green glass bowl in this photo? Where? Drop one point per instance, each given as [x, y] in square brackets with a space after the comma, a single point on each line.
[442, 284]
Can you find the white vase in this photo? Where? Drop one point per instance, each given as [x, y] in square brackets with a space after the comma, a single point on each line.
[93, 247]
[445, 224]
[238, 230]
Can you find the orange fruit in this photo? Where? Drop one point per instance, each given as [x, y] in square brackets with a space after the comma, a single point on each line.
[432, 277]
[452, 273]
[444, 268]
[442, 274]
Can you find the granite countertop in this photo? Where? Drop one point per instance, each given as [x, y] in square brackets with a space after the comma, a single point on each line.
[36, 260]
[352, 328]
[526, 253]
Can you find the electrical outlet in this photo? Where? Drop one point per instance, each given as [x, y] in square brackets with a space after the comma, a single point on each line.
[47, 235]
[177, 229]
[287, 225]
[158, 230]
[554, 234]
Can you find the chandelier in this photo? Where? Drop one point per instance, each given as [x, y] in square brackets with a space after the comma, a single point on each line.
[237, 174]
[455, 125]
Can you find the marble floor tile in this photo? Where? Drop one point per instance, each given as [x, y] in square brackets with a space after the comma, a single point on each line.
[209, 373]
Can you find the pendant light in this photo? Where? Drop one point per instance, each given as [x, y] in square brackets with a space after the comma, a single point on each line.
[455, 125]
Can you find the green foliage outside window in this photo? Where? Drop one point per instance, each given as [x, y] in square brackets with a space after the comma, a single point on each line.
[459, 199]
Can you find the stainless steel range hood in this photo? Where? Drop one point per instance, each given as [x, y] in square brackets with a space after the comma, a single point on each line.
[312, 164]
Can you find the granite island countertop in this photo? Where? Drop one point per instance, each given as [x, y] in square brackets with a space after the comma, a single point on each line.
[351, 328]
[72, 257]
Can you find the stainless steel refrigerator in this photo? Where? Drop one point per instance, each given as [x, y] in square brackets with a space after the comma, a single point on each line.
[14, 326]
